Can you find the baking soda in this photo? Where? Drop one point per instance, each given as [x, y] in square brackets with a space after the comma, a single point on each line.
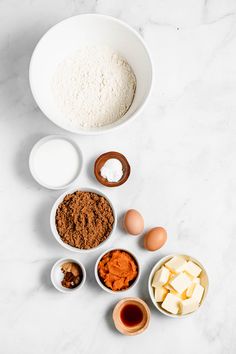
[112, 170]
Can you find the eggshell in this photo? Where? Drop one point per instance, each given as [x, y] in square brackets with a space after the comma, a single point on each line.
[133, 222]
[155, 238]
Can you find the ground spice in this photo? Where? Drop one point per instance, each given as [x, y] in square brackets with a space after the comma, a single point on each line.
[72, 275]
[84, 219]
[117, 270]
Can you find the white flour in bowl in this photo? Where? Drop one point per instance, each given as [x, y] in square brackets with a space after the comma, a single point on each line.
[94, 87]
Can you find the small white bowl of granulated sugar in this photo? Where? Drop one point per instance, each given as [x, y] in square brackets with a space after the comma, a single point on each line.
[55, 162]
[91, 74]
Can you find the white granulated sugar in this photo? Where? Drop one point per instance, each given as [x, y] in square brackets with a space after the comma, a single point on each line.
[94, 87]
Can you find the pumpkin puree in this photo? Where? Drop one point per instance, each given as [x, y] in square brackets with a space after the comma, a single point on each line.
[117, 270]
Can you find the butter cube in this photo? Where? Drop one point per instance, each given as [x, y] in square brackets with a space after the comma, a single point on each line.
[171, 303]
[190, 276]
[168, 286]
[160, 293]
[187, 306]
[192, 269]
[176, 264]
[181, 296]
[189, 291]
[180, 282]
[161, 277]
[197, 293]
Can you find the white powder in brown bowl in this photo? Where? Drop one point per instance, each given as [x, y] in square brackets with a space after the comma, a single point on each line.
[93, 87]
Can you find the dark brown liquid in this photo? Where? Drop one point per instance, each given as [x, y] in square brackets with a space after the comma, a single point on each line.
[131, 315]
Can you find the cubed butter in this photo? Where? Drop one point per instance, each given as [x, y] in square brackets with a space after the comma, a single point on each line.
[190, 276]
[192, 269]
[171, 303]
[188, 306]
[197, 293]
[180, 282]
[189, 291]
[176, 264]
[161, 277]
[160, 293]
[181, 296]
[168, 286]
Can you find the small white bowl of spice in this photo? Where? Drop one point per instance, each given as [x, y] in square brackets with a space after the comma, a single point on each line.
[68, 275]
[91, 74]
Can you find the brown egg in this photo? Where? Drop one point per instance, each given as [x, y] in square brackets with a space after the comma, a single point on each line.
[133, 222]
[155, 238]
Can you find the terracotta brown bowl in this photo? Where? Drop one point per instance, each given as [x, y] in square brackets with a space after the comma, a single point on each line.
[101, 160]
[134, 330]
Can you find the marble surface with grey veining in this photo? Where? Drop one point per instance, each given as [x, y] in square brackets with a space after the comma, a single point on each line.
[182, 150]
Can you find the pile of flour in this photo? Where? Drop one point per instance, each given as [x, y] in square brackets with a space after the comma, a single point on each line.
[94, 87]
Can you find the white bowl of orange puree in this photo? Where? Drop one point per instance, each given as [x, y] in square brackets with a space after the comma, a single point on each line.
[123, 266]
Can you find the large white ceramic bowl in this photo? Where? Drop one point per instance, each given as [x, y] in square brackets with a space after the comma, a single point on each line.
[53, 220]
[158, 265]
[65, 38]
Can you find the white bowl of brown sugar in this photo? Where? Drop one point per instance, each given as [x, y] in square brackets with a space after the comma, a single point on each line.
[83, 219]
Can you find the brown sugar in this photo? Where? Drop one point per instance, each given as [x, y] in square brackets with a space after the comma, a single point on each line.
[117, 270]
[84, 219]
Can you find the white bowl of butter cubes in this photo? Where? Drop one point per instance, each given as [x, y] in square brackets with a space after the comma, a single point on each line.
[178, 285]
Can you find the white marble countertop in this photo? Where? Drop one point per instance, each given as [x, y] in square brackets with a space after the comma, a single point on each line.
[183, 155]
